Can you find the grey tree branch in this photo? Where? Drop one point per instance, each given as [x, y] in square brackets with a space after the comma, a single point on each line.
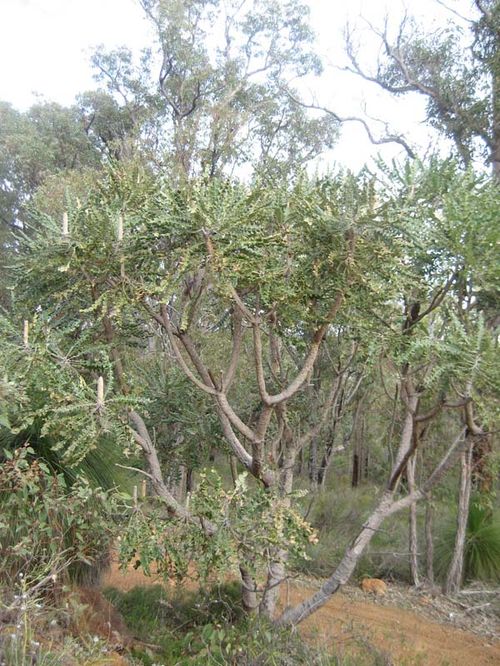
[388, 138]
[386, 507]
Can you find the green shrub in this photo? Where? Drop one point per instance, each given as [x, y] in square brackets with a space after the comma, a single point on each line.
[209, 627]
[46, 527]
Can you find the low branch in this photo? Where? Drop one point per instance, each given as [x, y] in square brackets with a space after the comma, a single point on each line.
[228, 377]
[141, 436]
[310, 360]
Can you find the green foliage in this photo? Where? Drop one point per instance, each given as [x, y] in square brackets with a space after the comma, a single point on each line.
[73, 526]
[207, 627]
[49, 386]
[288, 252]
[251, 642]
[188, 430]
[155, 609]
[249, 525]
[482, 545]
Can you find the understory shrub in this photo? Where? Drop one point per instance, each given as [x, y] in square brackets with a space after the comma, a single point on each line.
[208, 627]
[47, 529]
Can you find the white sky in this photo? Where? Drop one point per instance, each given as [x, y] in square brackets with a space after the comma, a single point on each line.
[45, 47]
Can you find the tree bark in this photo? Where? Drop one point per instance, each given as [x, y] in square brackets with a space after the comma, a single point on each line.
[276, 575]
[233, 465]
[313, 462]
[248, 591]
[413, 531]
[482, 476]
[429, 543]
[277, 568]
[495, 121]
[357, 448]
[455, 572]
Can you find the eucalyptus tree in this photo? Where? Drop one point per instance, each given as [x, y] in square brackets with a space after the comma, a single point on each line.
[456, 68]
[44, 140]
[211, 88]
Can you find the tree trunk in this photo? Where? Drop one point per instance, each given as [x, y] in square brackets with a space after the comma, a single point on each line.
[189, 480]
[277, 569]
[357, 448]
[233, 464]
[326, 462]
[355, 470]
[495, 129]
[313, 462]
[455, 573]
[301, 462]
[276, 575]
[429, 543]
[413, 532]
[482, 476]
[344, 570]
[248, 591]
[181, 484]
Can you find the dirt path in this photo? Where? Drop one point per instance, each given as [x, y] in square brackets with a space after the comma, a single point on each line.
[406, 637]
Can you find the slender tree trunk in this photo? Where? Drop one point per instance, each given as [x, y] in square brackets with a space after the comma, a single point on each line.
[233, 464]
[330, 448]
[455, 573]
[429, 543]
[275, 576]
[189, 479]
[495, 144]
[413, 531]
[355, 470]
[326, 463]
[313, 462]
[277, 569]
[181, 484]
[357, 448]
[248, 591]
[301, 462]
[482, 476]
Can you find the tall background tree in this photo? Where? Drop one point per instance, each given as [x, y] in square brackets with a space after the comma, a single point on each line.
[456, 68]
[212, 87]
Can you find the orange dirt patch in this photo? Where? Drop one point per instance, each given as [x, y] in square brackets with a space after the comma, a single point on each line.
[405, 637]
[401, 634]
[127, 580]
[96, 616]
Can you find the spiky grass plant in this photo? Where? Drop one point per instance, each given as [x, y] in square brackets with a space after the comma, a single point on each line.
[482, 546]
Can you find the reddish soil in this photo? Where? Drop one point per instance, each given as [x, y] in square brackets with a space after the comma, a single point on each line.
[405, 637]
